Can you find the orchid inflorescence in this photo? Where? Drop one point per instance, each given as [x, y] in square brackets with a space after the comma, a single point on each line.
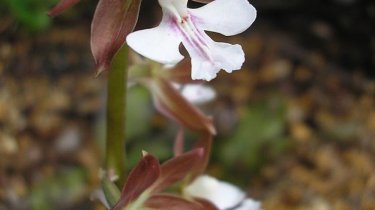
[176, 86]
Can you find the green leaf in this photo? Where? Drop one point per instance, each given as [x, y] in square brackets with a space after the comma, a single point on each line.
[62, 188]
[111, 192]
[30, 13]
[259, 135]
[139, 111]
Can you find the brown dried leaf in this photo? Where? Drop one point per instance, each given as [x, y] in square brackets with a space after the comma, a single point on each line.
[61, 7]
[145, 173]
[113, 21]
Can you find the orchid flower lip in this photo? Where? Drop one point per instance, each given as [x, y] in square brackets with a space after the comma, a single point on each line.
[236, 205]
[223, 195]
[198, 94]
[181, 24]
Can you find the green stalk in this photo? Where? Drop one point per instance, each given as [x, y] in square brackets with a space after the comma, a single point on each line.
[116, 105]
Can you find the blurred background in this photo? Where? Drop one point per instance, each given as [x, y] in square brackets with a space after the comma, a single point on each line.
[296, 125]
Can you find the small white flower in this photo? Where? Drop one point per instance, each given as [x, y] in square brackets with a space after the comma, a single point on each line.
[196, 93]
[222, 194]
[181, 24]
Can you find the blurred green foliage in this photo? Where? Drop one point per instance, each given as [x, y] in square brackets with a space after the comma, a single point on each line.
[138, 112]
[65, 187]
[30, 14]
[260, 136]
[140, 133]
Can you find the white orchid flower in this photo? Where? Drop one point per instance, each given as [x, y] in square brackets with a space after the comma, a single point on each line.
[196, 93]
[181, 24]
[222, 194]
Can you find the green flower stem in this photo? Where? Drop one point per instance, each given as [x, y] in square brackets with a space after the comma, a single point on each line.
[116, 105]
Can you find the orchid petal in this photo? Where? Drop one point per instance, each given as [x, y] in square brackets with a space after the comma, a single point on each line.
[203, 1]
[227, 56]
[198, 93]
[222, 194]
[203, 69]
[202, 65]
[228, 17]
[222, 56]
[160, 44]
[180, 6]
[249, 204]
